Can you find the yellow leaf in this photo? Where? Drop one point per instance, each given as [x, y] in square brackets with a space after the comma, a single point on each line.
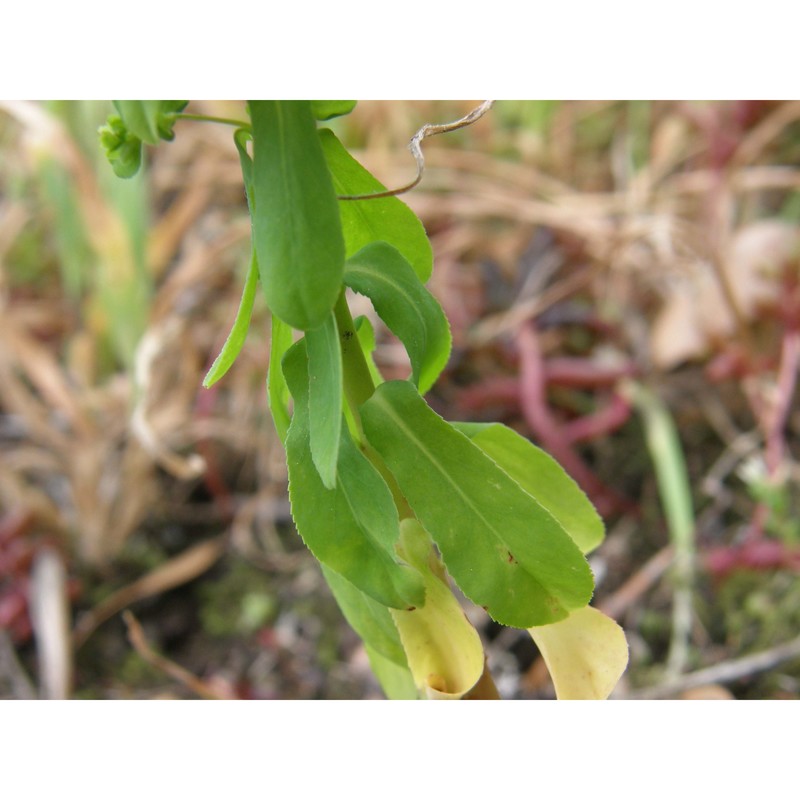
[586, 654]
[444, 651]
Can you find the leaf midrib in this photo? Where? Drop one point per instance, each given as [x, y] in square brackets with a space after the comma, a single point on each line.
[421, 446]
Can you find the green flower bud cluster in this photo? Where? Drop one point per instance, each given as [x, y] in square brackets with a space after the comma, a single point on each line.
[138, 122]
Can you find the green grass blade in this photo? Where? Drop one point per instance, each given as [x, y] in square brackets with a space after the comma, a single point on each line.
[76, 258]
[675, 492]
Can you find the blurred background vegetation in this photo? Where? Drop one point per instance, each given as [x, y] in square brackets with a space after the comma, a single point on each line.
[622, 284]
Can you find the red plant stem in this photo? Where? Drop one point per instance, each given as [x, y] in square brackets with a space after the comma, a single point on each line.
[777, 415]
[607, 419]
[547, 428]
[579, 373]
[584, 372]
[493, 391]
[754, 554]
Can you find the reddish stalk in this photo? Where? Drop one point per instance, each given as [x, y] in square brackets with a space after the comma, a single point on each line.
[585, 373]
[758, 552]
[548, 429]
[568, 372]
[779, 413]
[753, 554]
[605, 420]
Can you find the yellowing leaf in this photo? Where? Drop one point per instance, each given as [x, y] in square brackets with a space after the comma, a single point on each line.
[586, 654]
[444, 651]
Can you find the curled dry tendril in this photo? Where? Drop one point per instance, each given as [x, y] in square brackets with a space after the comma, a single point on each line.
[416, 150]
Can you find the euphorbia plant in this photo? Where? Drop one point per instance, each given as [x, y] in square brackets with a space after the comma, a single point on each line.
[393, 500]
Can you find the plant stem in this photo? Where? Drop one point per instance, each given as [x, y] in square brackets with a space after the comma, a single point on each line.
[485, 688]
[358, 383]
[220, 120]
[358, 388]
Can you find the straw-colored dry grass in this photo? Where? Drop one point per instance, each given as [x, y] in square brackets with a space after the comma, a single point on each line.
[578, 245]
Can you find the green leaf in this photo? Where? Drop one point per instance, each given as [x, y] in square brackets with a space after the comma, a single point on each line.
[353, 528]
[296, 227]
[240, 139]
[277, 390]
[366, 338]
[325, 398]
[504, 550]
[385, 219]
[397, 682]
[411, 312]
[368, 618]
[235, 341]
[327, 109]
[281, 333]
[542, 477]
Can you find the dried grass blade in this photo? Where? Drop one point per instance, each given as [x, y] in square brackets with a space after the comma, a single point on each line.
[179, 570]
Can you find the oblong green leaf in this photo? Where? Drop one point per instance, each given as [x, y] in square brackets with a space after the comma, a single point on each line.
[385, 219]
[281, 333]
[411, 312]
[328, 109]
[504, 550]
[235, 341]
[353, 528]
[325, 398]
[296, 226]
[542, 477]
[397, 682]
[368, 618]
